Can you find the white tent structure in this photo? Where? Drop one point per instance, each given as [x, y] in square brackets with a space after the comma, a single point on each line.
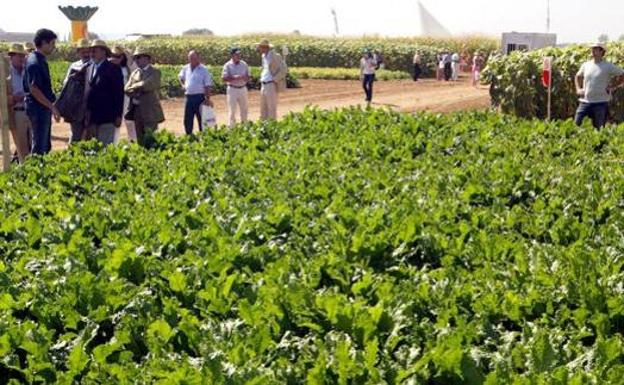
[429, 25]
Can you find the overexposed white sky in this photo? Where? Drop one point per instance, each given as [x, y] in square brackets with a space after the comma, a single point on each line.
[572, 20]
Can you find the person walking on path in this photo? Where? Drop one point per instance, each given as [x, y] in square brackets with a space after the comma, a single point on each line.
[455, 66]
[106, 95]
[440, 66]
[40, 97]
[236, 75]
[595, 82]
[123, 59]
[367, 75]
[477, 66]
[447, 59]
[417, 62]
[197, 83]
[83, 51]
[18, 120]
[272, 78]
[143, 88]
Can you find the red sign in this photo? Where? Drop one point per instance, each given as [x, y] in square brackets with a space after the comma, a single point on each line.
[547, 72]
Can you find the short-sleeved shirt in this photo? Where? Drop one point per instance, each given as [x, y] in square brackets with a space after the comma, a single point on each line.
[195, 79]
[38, 74]
[596, 79]
[368, 66]
[266, 75]
[233, 69]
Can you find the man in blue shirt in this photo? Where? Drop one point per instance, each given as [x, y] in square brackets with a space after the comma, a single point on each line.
[39, 95]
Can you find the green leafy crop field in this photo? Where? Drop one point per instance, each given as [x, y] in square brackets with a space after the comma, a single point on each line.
[343, 247]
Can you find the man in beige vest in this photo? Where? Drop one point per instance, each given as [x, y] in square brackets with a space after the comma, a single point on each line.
[143, 88]
[272, 78]
[19, 122]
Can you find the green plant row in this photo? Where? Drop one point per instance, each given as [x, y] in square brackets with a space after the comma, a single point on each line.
[307, 51]
[170, 84]
[332, 247]
[516, 85]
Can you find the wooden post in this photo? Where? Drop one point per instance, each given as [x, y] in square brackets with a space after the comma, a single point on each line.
[550, 98]
[4, 114]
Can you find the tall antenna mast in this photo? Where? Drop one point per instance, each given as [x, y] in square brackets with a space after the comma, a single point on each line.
[337, 30]
[548, 17]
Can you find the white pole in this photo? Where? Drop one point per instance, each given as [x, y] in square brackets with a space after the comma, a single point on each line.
[550, 97]
[4, 114]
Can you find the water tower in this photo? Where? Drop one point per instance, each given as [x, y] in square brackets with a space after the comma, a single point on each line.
[79, 17]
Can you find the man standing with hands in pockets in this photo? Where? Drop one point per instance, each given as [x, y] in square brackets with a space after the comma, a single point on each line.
[236, 74]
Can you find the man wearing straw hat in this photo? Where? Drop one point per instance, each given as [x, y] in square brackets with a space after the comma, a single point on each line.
[83, 50]
[595, 82]
[272, 78]
[143, 88]
[236, 74]
[105, 98]
[18, 120]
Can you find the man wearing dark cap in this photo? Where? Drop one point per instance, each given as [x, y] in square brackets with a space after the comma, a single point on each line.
[106, 95]
[595, 82]
[236, 75]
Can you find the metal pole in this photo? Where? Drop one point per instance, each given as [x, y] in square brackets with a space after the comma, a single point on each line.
[548, 17]
[4, 114]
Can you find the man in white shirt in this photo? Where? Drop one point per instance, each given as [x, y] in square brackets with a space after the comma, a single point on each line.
[455, 66]
[197, 83]
[595, 82]
[236, 74]
[83, 50]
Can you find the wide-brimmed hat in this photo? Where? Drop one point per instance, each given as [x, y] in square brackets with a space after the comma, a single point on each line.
[97, 43]
[119, 51]
[82, 44]
[264, 43]
[602, 46]
[141, 51]
[28, 46]
[18, 49]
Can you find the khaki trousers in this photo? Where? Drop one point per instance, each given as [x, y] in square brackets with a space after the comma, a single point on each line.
[237, 98]
[22, 136]
[268, 101]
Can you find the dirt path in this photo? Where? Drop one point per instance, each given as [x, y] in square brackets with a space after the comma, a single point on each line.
[403, 95]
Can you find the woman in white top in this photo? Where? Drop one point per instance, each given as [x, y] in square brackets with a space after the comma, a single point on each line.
[367, 74]
[123, 59]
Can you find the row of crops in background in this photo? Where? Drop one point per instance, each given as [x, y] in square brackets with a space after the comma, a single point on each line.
[333, 247]
[516, 86]
[307, 51]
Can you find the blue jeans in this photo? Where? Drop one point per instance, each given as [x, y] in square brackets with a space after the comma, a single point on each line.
[598, 112]
[41, 120]
[368, 86]
[192, 110]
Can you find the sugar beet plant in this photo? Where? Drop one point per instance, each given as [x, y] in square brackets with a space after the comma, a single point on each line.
[344, 247]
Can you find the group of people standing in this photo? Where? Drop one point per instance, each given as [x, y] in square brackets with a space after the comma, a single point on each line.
[449, 66]
[107, 87]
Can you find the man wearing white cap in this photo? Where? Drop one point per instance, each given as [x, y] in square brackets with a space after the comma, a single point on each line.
[272, 78]
[595, 82]
[236, 74]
